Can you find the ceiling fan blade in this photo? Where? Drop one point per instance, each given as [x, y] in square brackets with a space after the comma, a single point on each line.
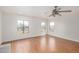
[65, 11]
[50, 15]
[59, 14]
[59, 9]
[53, 15]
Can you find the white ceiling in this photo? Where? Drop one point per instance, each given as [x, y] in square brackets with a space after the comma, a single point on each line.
[29, 10]
[37, 11]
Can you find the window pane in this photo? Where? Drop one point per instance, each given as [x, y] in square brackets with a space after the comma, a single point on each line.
[26, 23]
[43, 28]
[51, 23]
[20, 25]
[26, 26]
[51, 26]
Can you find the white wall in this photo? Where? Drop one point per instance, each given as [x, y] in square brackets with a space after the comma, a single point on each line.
[0, 26]
[67, 25]
[9, 27]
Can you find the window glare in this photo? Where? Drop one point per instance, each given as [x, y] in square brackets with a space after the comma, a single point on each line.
[20, 22]
[52, 23]
[26, 23]
[43, 24]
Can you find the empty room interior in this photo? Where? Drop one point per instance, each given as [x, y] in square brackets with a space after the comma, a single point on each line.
[39, 29]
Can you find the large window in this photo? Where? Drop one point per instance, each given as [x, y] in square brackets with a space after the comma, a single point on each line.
[22, 26]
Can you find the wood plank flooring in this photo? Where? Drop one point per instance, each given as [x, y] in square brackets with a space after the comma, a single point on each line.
[44, 44]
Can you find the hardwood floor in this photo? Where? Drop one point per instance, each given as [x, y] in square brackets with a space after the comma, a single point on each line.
[44, 44]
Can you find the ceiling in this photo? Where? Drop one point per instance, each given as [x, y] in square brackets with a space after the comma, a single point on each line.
[36, 11]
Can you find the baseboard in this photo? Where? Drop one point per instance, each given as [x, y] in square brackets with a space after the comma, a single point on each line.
[63, 37]
[5, 42]
[6, 48]
[56, 35]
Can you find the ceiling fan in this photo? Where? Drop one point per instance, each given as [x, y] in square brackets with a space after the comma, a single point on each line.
[57, 11]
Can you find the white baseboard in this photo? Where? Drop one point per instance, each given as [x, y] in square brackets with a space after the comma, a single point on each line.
[6, 48]
[54, 34]
[23, 38]
[64, 37]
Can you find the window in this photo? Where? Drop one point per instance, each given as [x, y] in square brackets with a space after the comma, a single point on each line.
[22, 26]
[43, 26]
[51, 26]
[26, 26]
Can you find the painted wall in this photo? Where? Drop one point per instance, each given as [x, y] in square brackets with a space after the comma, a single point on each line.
[67, 25]
[9, 27]
[0, 27]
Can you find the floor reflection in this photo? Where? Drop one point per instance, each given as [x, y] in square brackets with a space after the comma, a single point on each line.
[51, 44]
[43, 43]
